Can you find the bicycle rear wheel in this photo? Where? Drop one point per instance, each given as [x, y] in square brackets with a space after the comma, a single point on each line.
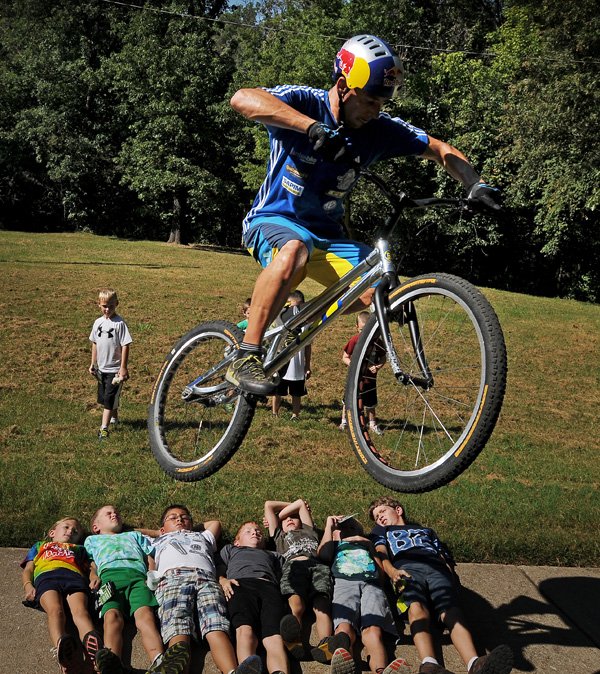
[196, 419]
[442, 327]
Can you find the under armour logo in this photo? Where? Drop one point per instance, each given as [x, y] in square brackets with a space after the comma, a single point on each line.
[108, 332]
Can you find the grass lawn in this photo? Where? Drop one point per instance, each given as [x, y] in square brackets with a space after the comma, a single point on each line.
[531, 497]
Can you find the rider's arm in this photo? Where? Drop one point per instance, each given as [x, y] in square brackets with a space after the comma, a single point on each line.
[259, 105]
[452, 160]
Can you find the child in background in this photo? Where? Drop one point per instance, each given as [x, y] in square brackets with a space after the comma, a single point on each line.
[294, 376]
[369, 387]
[359, 605]
[304, 578]
[242, 325]
[122, 558]
[249, 576]
[55, 571]
[110, 353]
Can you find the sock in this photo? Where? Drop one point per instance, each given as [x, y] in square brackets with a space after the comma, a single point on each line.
[471, 661]
[432, 660]
[250, 348]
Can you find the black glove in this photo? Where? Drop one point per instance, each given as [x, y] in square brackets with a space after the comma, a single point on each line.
[482, 194]
[328, 143]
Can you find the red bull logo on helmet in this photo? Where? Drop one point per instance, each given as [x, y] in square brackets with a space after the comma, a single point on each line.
[354, 68]
[392, 77]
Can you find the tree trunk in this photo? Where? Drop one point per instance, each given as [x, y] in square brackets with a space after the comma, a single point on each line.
[175, 234]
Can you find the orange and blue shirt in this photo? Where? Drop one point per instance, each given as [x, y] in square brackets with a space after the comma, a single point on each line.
[52, 556]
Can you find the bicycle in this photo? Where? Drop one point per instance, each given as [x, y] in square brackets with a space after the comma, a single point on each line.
[439, 394]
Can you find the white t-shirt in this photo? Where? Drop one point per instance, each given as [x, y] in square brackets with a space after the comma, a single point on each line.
[109, 335]
[185, 549]
[296, 370]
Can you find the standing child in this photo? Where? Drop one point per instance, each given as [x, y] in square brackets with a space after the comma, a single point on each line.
[243, 324]
[110, 352]
[369, 381]
[187, 588]
[249, 576]
[293, 378]
[359, 605]
[304, 577]
[55, 571]
[407, 550]
[122, 559]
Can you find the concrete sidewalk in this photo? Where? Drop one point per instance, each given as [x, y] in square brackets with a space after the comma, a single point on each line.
[549, 616]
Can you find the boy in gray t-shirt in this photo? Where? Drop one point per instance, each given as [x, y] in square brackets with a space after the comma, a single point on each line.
[110, 340]
[305, 579]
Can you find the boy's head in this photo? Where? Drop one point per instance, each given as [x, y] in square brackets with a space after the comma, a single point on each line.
[387, 512]
[295, 298]
[361, 320]
[246, 307]
[108, 302]
[107, 520]
[66, 530]
[291, 523]
[175, 518]
[249, 535]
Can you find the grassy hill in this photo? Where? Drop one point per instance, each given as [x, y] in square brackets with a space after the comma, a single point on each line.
[532, 496]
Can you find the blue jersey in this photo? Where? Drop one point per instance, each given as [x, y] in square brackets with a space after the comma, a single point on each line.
[411, 542]
[309, 190]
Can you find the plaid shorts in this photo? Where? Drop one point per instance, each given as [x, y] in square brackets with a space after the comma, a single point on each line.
[186, 594]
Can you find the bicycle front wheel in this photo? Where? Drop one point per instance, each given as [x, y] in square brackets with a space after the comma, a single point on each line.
[432, 423]
[196, 419]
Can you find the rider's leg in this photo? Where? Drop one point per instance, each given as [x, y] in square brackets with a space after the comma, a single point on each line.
[272, 288]
[270, 294]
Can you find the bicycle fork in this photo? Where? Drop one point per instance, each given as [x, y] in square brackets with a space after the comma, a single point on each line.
[409, 317]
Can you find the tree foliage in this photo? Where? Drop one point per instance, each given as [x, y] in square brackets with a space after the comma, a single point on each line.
[117, 119]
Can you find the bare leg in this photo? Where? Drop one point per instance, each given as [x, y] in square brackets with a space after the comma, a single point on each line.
[276, 402]
[418, 617]
[297, 607]
[322, 609]
[296, 405]
[272, 288]
[373, 642]
[113, 631]
[78, 604]
[52, 604]
[246, 642]
[460, 635]
[222, 651]
[276, 654]
[146, 624]
[106, 415]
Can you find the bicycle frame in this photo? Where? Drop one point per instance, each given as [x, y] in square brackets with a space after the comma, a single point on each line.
[336, 300]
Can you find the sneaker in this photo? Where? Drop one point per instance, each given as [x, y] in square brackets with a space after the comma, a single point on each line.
[342, 662]
[291, 633]
[103, 434]
[398, 666]
[323, 653]
[343, 426]
[433, 668]
[92, 643]
[174, 660]
[499, 661]
[374, 428]
[108, 662]
[69, 655]
[251, 665]
[248, 375]
[295, 417]
[114, 421]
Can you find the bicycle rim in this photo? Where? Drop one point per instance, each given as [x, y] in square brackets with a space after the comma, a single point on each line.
[429, 436]
[191, 438]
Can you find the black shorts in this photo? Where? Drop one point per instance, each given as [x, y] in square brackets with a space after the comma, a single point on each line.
[257, 603]
[367, 387]
[291, 387]
[63, 581]
[108, 393]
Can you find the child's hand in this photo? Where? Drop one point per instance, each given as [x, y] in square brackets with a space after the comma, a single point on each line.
[92, 369]
[123, 374]
[307, 374]
[29, 591]
[94, 582]
[227, 585]
[265, 523]
[397, 574]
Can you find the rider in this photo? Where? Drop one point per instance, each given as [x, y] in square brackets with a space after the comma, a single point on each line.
[318, 141]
